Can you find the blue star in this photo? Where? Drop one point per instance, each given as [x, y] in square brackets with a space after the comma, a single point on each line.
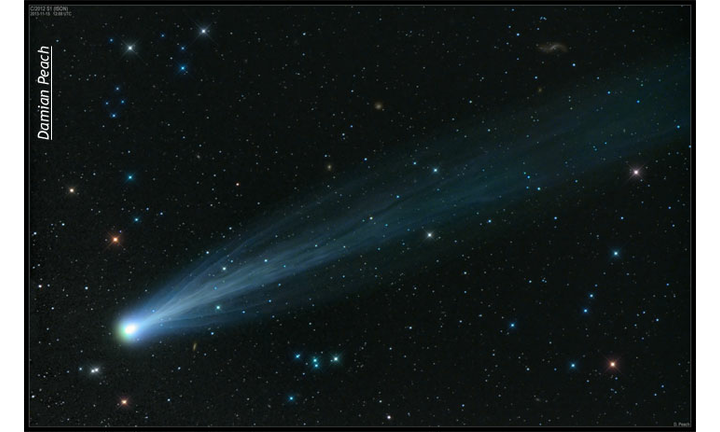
[616, 253]
[585, 311]
[291, 398]
[297, 356]
[130, 177]
[137, 219]
[183, 68]
[113, 115]
[572, 365]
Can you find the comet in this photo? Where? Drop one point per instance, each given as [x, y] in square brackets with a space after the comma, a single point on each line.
[397, 212]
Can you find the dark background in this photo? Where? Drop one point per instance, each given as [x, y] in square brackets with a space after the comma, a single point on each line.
[266, 103]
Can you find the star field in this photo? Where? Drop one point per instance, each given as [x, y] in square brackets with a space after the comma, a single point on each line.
[400, 216]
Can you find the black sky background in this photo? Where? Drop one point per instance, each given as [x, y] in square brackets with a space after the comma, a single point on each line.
[265, 103]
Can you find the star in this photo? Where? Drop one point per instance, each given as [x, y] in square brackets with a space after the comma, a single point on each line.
[71, 190]
[130, 48]
[115, 239]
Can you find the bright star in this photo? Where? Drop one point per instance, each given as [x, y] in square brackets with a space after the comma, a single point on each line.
[130, 47]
